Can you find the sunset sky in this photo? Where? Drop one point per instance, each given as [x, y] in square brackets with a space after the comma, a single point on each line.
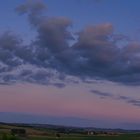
[70, 62]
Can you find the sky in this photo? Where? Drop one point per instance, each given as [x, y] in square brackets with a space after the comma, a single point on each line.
[70, 62]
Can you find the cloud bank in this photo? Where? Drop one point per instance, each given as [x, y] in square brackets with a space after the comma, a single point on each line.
[98, 52]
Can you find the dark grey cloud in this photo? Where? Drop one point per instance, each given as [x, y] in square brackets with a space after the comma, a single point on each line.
[127, 99]
[101, 94]
[59, 85]
[40, 76]
[8, 45]
[95, 54]
[98, 52]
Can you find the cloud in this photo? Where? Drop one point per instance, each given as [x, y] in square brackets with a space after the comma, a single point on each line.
[127, 99]
[98, 52]
[8, 46]
[34, 8]
[59, 85]
[101, 94]
[88, 1]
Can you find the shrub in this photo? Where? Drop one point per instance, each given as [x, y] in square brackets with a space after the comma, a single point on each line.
[4, 136]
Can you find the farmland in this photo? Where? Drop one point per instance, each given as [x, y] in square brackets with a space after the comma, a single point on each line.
[55, 132]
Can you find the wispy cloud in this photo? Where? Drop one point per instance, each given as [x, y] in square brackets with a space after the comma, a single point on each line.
[101, 94]
[127, 99]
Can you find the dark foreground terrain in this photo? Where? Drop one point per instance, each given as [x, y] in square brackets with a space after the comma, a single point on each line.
[51, 132]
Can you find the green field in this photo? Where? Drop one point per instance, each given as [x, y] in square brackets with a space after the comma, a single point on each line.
[70, 137]
[120, 137]
[50, 134]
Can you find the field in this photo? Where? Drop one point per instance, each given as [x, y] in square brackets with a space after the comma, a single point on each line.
[121, 137]
[35, 133]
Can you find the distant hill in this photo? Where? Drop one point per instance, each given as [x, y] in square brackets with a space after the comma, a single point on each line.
[62, 127]
[74, 122]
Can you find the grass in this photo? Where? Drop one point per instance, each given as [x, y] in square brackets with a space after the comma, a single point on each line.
[120, 137]
[47, 134]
